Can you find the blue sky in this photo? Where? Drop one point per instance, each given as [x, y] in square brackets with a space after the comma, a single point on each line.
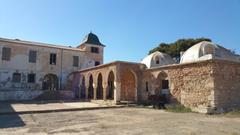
[128, 28]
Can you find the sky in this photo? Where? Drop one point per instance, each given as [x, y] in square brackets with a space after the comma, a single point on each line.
[128, 28]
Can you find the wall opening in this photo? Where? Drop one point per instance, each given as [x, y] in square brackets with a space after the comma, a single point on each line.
[164, 85]
[83, 89]
[90, 88]
[110, 88]
[50, 82]
[99, 87]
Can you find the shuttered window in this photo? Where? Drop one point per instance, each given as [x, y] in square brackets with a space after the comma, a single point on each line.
[32, 56]
[75, 61]
[94, 50]
[31, 78]
[6, 53]
[53, 58]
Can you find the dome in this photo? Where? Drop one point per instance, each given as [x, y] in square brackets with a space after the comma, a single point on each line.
[207, 50]
[92, 39]
[157, 59]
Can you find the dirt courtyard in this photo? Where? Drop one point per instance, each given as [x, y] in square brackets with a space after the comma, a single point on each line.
[121, 121]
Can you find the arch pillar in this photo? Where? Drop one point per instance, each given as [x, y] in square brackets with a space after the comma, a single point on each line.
[104, 91]
[86, 92]
[117, 91]
[94, 91]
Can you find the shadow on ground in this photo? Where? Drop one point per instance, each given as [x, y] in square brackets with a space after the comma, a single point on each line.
[10, 120]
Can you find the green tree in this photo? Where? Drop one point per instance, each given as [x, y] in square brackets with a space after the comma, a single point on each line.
[174, 49]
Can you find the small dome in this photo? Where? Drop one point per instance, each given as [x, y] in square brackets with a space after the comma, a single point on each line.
[157, 59]
[207, 50]
[92, 39]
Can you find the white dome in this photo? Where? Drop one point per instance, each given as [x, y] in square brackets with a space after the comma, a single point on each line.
[208, 50]
[157, 59]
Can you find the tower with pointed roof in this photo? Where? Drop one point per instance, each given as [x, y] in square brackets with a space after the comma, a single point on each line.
[94, 48]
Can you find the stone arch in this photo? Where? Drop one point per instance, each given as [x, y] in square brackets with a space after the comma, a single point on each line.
[110, 85]
[128, 85]
[82, 88]
[99, 86]
[163, 83]
[50, 82]
[90, 87]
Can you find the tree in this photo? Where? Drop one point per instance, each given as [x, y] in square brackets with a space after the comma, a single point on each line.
[174, 49]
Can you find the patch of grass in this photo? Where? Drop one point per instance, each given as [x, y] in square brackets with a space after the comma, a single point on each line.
[178, 109]
[235, 113]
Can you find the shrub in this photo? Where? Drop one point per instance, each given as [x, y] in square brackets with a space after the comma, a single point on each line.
[177, 108]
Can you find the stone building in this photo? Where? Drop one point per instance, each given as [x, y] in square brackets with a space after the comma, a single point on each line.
[28, 68]
[206, 80]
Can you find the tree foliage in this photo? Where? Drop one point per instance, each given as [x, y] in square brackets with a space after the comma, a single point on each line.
[174, 49]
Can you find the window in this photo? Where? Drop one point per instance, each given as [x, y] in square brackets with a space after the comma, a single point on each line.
[16, 77]
[75, 61]
[165, 84]
[31, 78]
[97, 63]
[6, 53]
[147, 86]
[53, 58]
[94, 50]
[32, 56]
[157, 60]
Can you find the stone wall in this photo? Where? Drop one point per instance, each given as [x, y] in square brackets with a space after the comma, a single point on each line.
[190, 84]
[203, 86]
[227, 85]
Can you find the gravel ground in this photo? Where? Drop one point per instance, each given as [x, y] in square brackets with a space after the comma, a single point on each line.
[120, 121]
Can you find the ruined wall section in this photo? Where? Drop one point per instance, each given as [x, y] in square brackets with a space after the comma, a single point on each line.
[190, 84]
[227, 85]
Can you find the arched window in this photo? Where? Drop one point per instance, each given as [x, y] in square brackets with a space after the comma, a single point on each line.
[157, 60]
[208, 50]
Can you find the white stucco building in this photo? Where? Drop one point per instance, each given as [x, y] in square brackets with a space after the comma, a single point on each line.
[157, 59]
[27, 68]
[208, 50]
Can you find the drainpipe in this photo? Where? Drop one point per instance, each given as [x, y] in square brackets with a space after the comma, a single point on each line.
[61, 69]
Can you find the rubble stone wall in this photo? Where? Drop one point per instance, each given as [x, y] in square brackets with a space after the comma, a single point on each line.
[227, 85]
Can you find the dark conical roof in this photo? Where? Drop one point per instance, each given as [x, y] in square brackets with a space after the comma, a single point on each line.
[92, 39]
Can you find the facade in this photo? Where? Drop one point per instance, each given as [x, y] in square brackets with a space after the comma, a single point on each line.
[207, 79]
[29, 68]
[210, 85]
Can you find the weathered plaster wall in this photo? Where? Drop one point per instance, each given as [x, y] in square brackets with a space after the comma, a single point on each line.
[19, 94]
[19, 62]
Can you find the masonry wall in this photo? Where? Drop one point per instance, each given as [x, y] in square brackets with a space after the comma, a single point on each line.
[191, 85]
[227, 85]
[196, 85]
